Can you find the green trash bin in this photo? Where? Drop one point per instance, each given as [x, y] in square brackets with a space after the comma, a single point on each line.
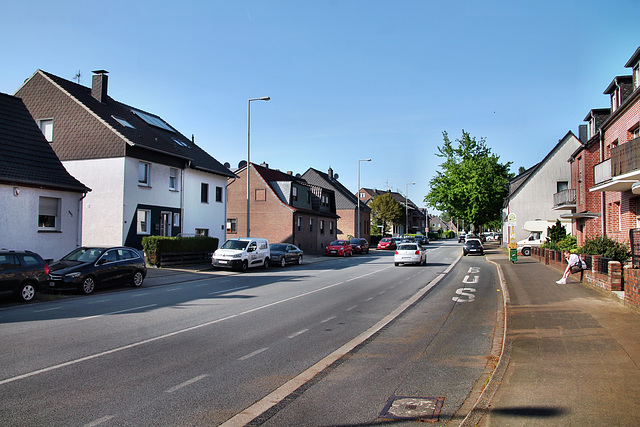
[513, 255]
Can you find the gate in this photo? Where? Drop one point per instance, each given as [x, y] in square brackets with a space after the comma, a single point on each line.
[634, 242]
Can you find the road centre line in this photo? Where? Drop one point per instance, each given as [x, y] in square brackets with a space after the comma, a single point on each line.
[47, 309]
[228, 290]
[246, 416]
[171, 334]
[186, 383]
[117, 312]
[254, 353]
[298, 333]
[328, 319]
[100, 421]
[352, 307]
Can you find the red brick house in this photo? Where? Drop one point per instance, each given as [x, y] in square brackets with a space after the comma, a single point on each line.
[618, 173]
[416, 222]
[283, 208]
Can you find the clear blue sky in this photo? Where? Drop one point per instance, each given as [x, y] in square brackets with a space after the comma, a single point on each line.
[348, 80]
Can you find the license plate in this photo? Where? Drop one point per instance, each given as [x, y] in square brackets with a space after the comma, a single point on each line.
[333, 252]
[222, 261]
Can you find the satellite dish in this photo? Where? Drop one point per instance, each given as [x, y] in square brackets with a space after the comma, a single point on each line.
[242, 164]
[298, 175]
[336, 176]
[227, 165]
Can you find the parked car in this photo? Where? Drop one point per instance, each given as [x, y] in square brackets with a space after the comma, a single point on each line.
[421, 239]
[386, 243]
[461, 238]
[339, 248]
[473, 246]
[359, 246]
[242, 253]
[397, 240]
[87, 268]
[22, 272]
[410, 253]
[285, 253]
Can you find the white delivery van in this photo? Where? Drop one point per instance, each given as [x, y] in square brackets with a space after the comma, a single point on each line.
[242, 253]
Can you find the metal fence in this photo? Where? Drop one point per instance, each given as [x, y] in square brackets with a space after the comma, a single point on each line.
[634, 242]
[603, 265]
[588, 260]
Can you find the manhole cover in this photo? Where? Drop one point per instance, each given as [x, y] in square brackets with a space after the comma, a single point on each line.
[413, 408]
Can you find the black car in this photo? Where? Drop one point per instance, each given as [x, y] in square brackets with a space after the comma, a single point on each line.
[359, 246]
[88, 267]
[473, 246]
[285, 253]
[23, 273]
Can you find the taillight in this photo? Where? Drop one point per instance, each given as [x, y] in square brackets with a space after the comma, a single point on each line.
[417, 252]
[46, 269]
[397, 253]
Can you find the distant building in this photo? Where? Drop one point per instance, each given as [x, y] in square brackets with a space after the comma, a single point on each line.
[416, 218]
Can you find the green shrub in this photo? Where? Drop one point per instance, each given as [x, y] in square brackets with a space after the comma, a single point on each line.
[606, 247]
[568, 243]
[155, 245]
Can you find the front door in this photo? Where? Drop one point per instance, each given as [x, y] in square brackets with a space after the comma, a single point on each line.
[165, 224]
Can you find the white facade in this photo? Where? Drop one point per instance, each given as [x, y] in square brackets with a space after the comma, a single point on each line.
[211, 216]
[19, 221]
[534, 199]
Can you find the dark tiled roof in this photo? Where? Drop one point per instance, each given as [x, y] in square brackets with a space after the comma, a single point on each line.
[144, 135]
[26, 157]
[344, 198]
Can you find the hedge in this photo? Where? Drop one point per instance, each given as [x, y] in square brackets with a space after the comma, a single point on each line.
[155, 245]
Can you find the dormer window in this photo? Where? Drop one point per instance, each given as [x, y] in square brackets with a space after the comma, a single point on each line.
[294, 193]
[615, 99]
[636, 76]
[46, 126]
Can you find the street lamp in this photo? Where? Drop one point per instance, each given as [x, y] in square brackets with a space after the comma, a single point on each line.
[264, 98]
[358, 195]
[406, 206]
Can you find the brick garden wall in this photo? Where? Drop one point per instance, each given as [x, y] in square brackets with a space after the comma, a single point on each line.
[632, 287]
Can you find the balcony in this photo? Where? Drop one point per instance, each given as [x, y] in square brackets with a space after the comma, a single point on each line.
[565, 199]
[621, 171]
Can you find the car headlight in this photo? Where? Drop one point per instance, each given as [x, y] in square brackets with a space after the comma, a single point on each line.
[237, 256]
[72, 275]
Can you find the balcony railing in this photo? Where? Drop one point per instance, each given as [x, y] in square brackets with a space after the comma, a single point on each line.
[602, 172]
[625, 158]
[565, 197]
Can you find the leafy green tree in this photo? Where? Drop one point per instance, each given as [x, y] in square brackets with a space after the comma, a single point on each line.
[557, 233]
[471, 184]
[385, 211]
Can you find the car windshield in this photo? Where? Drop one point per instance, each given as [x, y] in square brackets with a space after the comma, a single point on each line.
[235, 244]
[386, 240]
[474, 243]
[279, 247]
[337, 243]
[84, 255]
[355, 241]
[408, 247]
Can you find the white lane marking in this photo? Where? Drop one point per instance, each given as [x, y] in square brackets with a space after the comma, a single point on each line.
[47, 309]
[170, 334]
[298, 333]
[99, 421]
[254, 353]
[228, 290]
[368, 299]
[186, 383]
[471, 281]
[172, 289]
[246, 416]
[328, 319]
[351, 308]
[117, 312]
[98, 301]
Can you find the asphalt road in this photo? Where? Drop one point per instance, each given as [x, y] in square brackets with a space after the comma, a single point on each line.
[201, 351]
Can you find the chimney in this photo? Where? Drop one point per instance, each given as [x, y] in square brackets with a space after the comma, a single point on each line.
[330, 172]
[290, 173]
[99, 85]
[582, 133]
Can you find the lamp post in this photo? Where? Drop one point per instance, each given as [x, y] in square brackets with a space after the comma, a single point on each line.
[358, 195]
[264, 98]
[406, 206]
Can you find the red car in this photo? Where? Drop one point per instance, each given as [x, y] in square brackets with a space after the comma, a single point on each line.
[386, 243]
[339, 248]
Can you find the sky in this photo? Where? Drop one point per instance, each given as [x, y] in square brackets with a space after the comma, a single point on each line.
[348, 80]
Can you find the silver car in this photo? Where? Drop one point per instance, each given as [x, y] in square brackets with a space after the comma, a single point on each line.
[410, 253]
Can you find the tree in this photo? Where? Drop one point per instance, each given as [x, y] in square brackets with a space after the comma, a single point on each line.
[471, 184]
[384, 211]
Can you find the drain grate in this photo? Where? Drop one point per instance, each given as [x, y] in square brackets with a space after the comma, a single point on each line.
[413, 408]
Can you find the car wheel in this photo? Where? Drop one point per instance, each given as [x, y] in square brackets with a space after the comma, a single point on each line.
[397, 264]
[27, 292]
[88, 285]
[424, 261]
[526, 251]
[266, 263]
[245, 266]
[344, 254]
[282, 262]
[300, 260]
[137, 279]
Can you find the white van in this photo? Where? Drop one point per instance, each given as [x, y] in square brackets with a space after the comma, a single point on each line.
[242, 253]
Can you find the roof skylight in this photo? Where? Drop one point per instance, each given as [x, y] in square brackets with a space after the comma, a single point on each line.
[180, 143]
[152, 120]
[123, 122]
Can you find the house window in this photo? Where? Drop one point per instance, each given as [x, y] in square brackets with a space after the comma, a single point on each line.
[562, 186]
[219, 194]
[204, 192]
[49, 213]
[173, 179]
[636, 76]
[635, 132]
[261, 195]
[363, 194]
[299, 223]
[311, 225]
[232, 225]
[46, 126]
[294, 193]
[330, 227]
[325, 200]
[176, 219]
[321, 226]
[309, 197]
[123, 122]
[202, 232]
[144, 174]
[144, 226]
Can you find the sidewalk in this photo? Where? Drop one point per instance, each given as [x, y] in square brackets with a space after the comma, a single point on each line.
[571, 354]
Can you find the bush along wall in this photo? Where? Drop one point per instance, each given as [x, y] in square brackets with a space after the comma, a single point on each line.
[155, 246]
